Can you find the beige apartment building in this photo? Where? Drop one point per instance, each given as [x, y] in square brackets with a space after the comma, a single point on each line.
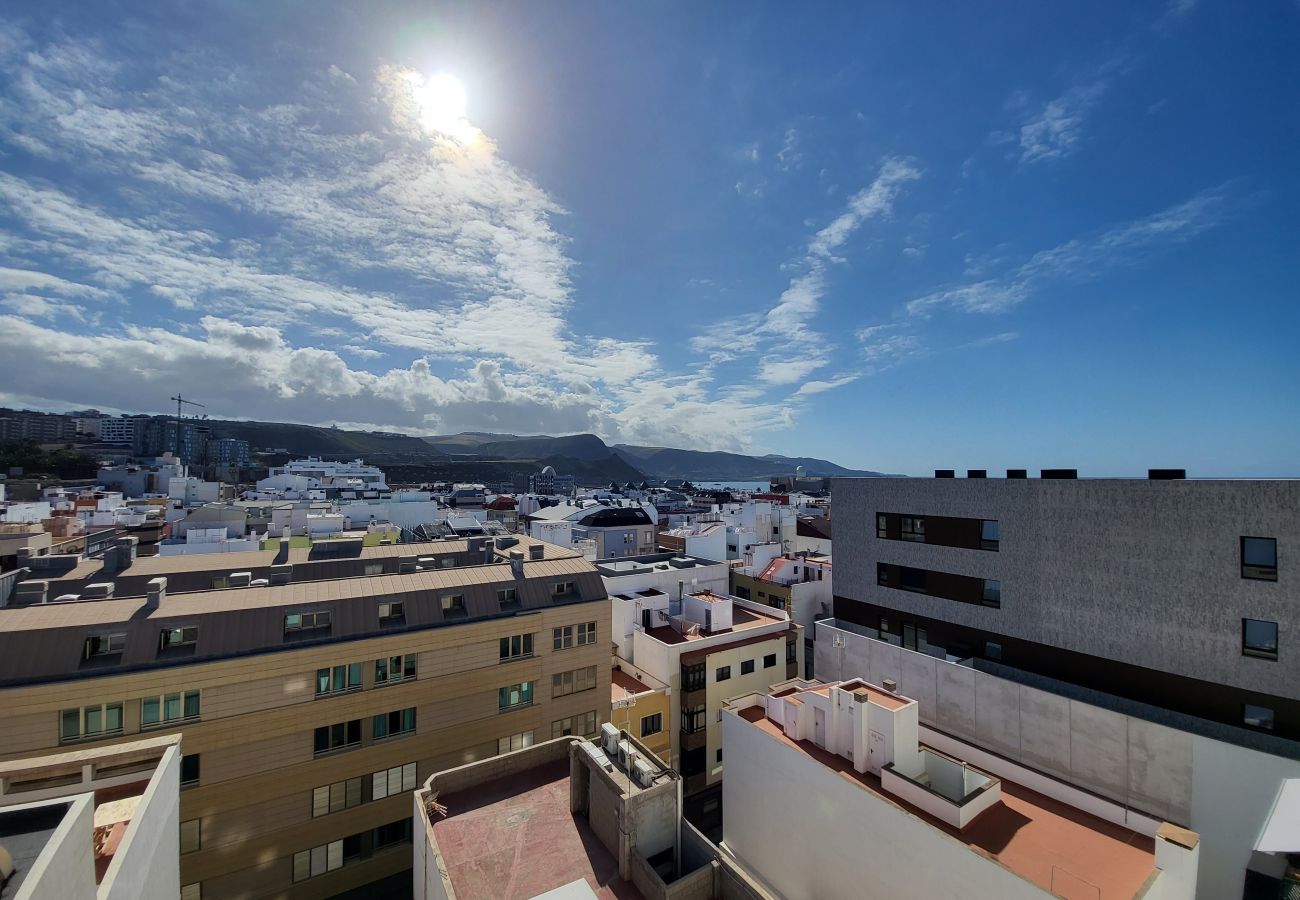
[312, 698]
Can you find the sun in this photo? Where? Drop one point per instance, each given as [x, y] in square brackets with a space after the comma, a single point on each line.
[441, 101]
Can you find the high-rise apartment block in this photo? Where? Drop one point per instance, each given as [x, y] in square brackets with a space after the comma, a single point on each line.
[1174, 593]
[313, 689]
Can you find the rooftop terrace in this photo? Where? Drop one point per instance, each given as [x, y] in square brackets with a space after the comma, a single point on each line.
[1050, 843]
[514, 838]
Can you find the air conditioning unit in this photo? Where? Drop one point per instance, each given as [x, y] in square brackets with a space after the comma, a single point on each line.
[644, 773]
[625, 752]
[609, 738]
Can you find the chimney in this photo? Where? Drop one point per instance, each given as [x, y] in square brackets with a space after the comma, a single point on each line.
[155, 592]
[890, 685]
[517, 563]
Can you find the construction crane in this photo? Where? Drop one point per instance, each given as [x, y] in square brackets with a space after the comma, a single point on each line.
[179, 400]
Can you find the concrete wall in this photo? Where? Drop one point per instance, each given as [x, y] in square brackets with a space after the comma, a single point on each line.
[1144, 572]
[147, 864]
[1222, 791]
[66, 866]
[777, 797]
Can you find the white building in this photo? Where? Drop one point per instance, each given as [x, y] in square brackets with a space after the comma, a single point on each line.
[619, 528]
[119, 429]
[321, 474]
[836, 791]
[705, 646]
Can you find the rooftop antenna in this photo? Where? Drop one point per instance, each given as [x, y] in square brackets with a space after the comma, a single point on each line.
[179, 400]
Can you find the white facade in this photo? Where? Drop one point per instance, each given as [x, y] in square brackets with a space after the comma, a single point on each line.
[845, 838]
[312, 473]
[191, 491]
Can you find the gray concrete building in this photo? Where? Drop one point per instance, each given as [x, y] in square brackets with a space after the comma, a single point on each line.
[1163, 591]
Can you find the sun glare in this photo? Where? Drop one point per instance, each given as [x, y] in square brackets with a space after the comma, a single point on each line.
[441, 100]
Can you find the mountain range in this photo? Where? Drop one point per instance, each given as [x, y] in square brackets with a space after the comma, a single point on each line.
[473, 455]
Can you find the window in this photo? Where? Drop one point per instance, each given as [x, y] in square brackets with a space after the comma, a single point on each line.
[741, 592]
[562, 588]
[221, 582]
[334, 797]
[515, 695]
[693, 677]
[989, 534]
[722, 674]
[392, 612]
[913, 580]
[747, 667]
[453, 604]
[882, 574]
[186, 636]
[652, 724]
[375, 568]
[336, 679]
[508, 597]
[992, 593]
[583, 724]
[191, 835]
[692, 719]
[387, 782]
[337, 736]
[98, 645]
[791, 652]
[884, 625]
[565, 683]
[317, 860]
[90, 721]
[192, 891]
[1259, 638]
[718, 755]
[992, 650]
[392, 724]
[307, 621]
[776, 602]
[515, 742]
[1259, 558]
[911, 528]
[693, 761]
[169, 708]
[391, 669]
[517, 646]
[586, 633]
[562, 638]
[398, 832]
[769, 661]
[882, 525]
[1257, 717]
[189, 769]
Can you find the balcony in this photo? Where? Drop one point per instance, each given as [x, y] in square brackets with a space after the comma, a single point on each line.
[694, 740]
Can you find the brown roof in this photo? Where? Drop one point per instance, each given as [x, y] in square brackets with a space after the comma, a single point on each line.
[46, 641]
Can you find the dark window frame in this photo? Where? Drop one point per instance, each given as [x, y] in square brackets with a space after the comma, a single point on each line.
[747, 666]
[1255, 572]
[722, 673]
[656, 725]
[1258, 650]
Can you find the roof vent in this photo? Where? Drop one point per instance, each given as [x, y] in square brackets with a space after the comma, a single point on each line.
[1017, 473]
[945, 473]
[977, 473]
[890, 685]
[1059, 474]
[1166, 474]
[537, 551]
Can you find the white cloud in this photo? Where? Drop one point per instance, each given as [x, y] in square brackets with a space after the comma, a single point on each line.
[1055, 131]
[1084, 259]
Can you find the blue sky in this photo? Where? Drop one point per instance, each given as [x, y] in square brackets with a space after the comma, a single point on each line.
[893, 235]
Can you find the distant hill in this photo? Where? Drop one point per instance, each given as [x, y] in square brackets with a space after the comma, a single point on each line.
[698, 465]
[508, 446]
[655, 462]
[312, 440]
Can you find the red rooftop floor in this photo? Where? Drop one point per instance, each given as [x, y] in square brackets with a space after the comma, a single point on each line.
[514, 838]
[1061, 849]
